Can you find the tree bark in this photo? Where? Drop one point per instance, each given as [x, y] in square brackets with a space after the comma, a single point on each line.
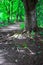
[30, 12]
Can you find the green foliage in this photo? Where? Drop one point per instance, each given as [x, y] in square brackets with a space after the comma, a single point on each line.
[11, 11]
[18, 10]
[22, 25]
[39, 13]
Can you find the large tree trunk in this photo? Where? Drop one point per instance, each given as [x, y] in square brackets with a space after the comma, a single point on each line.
[30, 13]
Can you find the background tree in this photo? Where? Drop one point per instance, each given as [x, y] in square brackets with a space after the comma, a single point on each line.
[11, 11]
[3, 13]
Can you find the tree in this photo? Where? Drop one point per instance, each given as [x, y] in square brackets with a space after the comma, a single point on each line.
[11, 11]
[3, 12]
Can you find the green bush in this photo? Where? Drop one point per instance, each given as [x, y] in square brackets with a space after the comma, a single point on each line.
[39, 13]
